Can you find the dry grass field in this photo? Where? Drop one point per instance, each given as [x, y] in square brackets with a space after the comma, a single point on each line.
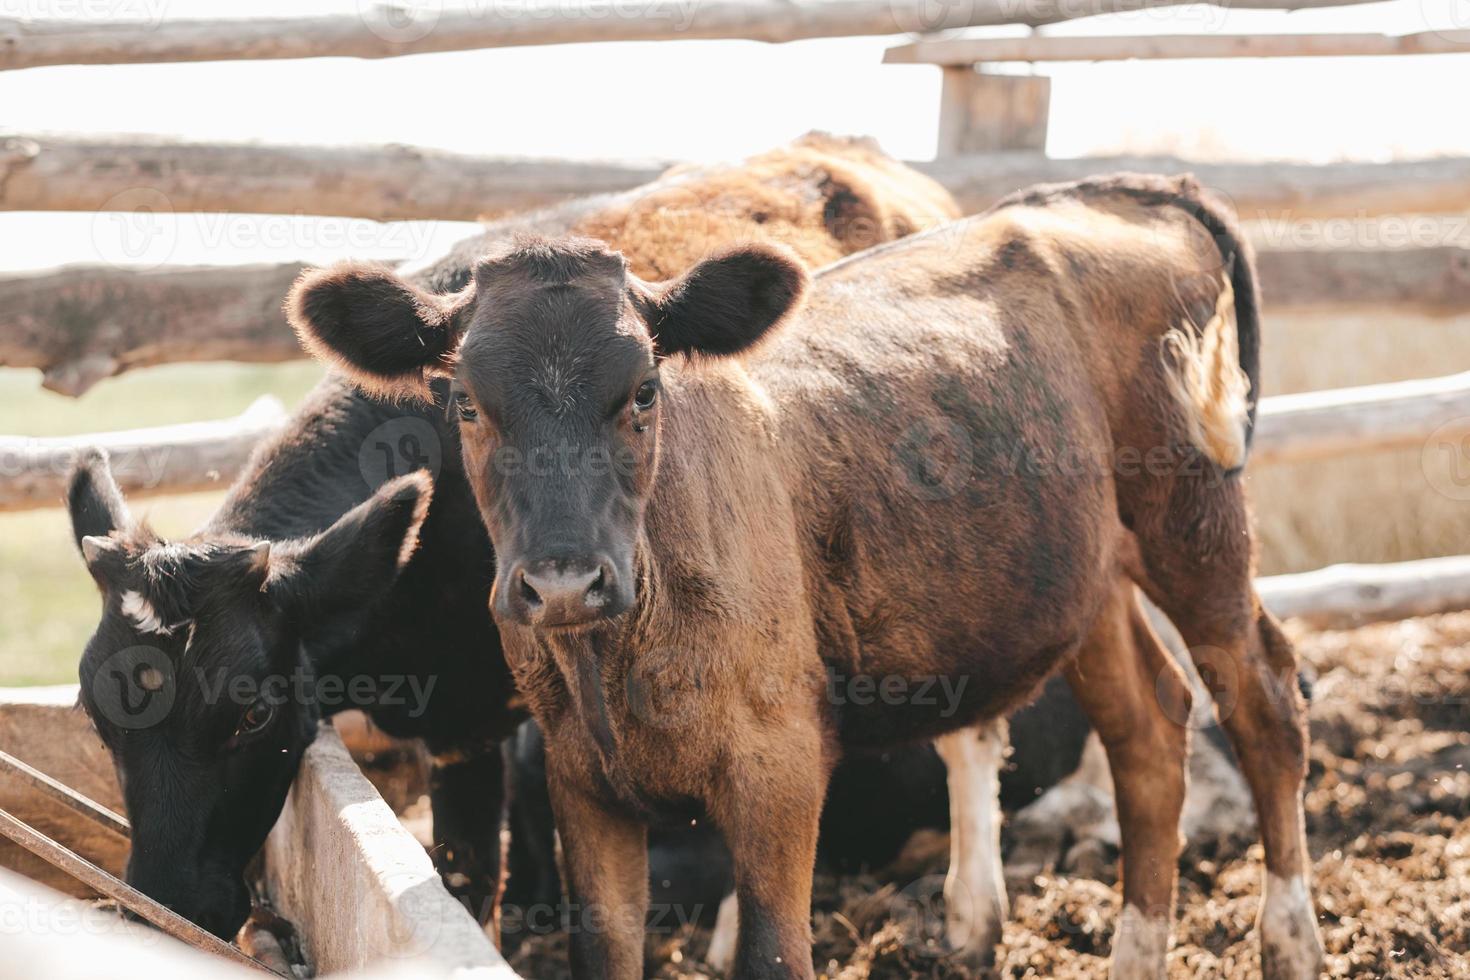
[48, 604]
[1370, 507]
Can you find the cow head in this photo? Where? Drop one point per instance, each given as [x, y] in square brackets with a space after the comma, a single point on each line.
[196, 681]
[556, 354]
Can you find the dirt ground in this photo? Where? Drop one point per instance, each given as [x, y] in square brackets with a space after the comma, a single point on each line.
[1388, 818]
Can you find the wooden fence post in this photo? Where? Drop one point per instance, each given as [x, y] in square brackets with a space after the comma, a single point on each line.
[981, 112]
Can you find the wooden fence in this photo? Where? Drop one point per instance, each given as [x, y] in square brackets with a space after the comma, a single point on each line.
[388, 30]
[79, 325]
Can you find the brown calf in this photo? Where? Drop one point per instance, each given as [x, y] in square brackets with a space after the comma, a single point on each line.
[954, 464]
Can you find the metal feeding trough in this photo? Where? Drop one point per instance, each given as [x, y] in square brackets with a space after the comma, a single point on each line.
[359, 890]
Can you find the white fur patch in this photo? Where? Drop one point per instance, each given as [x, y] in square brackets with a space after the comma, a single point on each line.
[1206, 379]
[144, 617]
[1291, 948]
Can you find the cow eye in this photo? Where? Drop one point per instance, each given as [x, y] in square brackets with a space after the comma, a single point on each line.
[256, 718]
[465, 407]
[645, 396]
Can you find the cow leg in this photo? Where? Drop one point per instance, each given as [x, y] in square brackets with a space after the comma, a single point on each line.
[605, 854]
[769, 806]
[467, 796]
[1196, 546]
[1123, 678]
[531, 876]
[1251, 673]
[975, 907]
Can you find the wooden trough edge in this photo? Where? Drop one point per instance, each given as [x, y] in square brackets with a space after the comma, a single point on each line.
[361, 890]
[63, 937]
[47, 172]
[1431, 413]
[343, 869]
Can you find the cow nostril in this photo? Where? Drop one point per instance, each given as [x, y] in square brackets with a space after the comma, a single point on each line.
[530, 595]
[599, 583]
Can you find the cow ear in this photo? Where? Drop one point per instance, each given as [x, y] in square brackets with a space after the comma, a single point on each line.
[353, 563]
[94, 501]
[727, 303]
[386, 334]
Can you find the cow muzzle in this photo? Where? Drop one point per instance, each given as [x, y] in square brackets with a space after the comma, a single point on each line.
[563, 592]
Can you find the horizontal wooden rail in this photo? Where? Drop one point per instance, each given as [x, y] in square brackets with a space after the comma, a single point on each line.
[168, 459]
[1432, 280]
[85, 323]
[1258, 191]
[388, 30]
[383, 183]
[387, 183]
[1345, 596]
[989, 50]
[82, 324]
[1319, 424]
[201, 455]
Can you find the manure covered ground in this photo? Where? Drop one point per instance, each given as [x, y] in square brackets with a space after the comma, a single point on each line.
[1388, 821]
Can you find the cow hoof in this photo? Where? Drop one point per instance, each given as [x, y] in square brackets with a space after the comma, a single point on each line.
[972, 938]
[1291, 947]
[1140, 946]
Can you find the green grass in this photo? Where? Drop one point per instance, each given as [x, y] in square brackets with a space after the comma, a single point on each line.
[48, 604]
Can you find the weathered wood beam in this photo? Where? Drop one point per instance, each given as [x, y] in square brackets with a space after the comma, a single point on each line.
[387, 183]
[1345, 596]
[989, 50]
[1319, 424]
[82, 324]
[167, 459]
[204, 455]
[1433, 280]
[390, 30]
[981, 113]
[383, 183]
[85, 323]
[1258, 191]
